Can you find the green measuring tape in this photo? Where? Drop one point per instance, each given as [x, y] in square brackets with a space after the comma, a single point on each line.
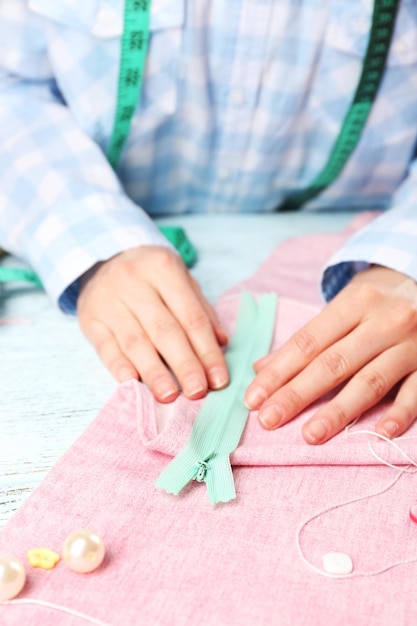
[19, 274]
[383, 21]
[134, 49]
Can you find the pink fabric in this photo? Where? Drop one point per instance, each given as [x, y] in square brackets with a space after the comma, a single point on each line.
[177, 561]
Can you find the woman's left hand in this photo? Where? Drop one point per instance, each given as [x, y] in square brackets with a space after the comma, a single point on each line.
[365, 337]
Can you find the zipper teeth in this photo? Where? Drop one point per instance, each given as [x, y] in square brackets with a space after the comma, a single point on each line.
[214, 412]
[180, 471]
[220, 483]
[219, 424]
[233, 416]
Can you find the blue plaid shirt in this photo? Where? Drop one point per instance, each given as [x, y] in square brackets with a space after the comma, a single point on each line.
[241, 104]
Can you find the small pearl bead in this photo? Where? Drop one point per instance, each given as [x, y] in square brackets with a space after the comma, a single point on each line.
[83, 551]
[12, 577]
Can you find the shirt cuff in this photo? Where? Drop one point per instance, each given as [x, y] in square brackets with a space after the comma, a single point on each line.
[67, 302]
[79, 261]
[338, 276]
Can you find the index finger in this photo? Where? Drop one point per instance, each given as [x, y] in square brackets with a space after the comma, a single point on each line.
[334, 322]
[200, 328]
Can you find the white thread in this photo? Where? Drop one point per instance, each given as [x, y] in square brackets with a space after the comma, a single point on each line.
[401, 471]
[390, 441]
[405, 470]
[57, 607]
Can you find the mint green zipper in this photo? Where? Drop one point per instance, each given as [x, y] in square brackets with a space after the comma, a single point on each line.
[219, 424]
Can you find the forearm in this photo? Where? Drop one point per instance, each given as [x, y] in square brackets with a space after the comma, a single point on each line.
[61, 206]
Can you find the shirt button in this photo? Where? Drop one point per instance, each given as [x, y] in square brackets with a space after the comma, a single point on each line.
[238, 98]
[400, 47]
[361, 25]
[108, 23]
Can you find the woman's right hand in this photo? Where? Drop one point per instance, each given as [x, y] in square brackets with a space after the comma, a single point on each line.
[146, 315]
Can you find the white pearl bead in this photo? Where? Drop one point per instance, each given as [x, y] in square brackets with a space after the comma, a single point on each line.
[12, 577]
[83, 551]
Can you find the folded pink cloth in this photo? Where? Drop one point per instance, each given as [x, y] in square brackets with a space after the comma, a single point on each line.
[177, 561]
[166, 428]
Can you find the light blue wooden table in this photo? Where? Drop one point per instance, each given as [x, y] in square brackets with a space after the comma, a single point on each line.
[52, 382]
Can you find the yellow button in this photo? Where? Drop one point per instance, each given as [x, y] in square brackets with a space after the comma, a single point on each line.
[43, 557]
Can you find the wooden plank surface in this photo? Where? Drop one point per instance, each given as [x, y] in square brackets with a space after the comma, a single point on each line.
[52, 382]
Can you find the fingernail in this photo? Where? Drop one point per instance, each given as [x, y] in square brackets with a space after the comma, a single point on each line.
[194, 387]
[271, 416]
[316, 431]
[218, 377]
[168, 397]
[225, 337]
[255, 396]
[389, 429]
[166, 391]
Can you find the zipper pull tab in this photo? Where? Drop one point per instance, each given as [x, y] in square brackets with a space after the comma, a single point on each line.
[202, 468]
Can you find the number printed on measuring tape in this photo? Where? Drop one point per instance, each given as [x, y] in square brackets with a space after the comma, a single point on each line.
[132, 64]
